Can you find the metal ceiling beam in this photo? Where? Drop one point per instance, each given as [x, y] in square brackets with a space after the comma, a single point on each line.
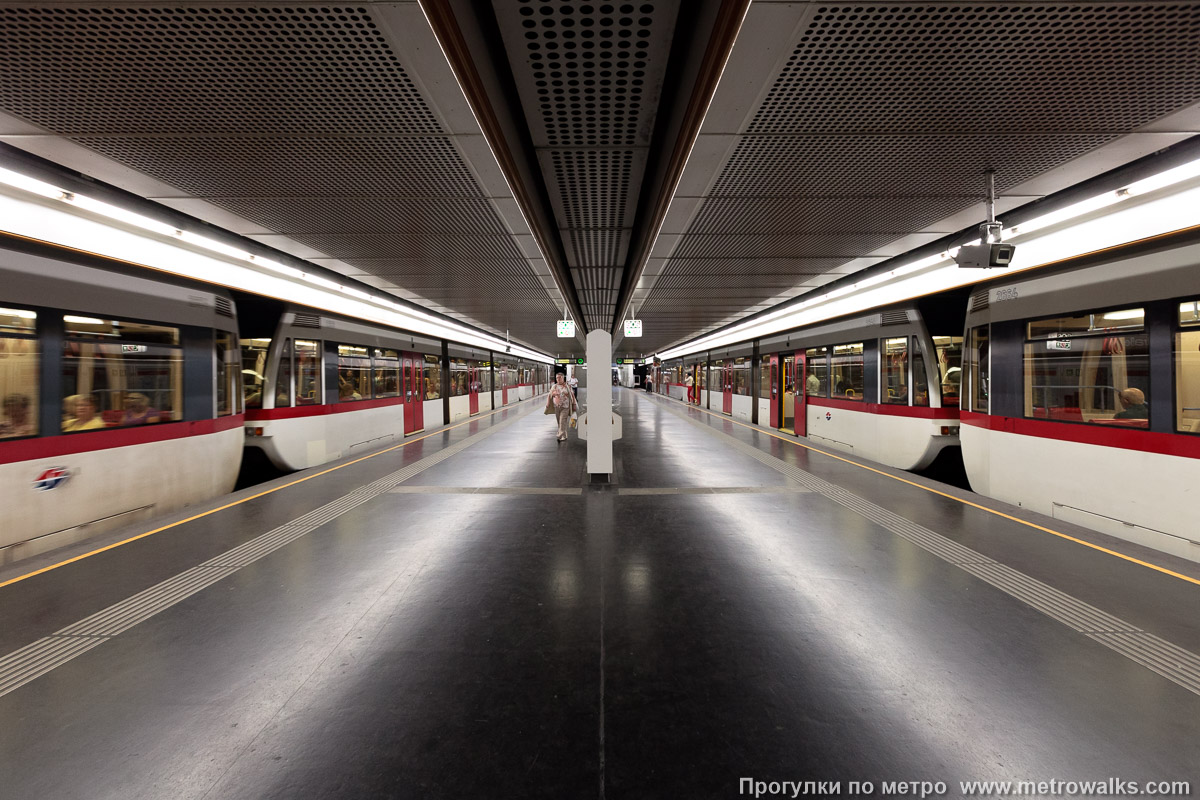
[508, 141]
[681, 126]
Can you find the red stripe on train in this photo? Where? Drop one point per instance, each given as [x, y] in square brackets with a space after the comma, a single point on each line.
[255, 414]
[12, 452]
[885, 409]
[1167, 444]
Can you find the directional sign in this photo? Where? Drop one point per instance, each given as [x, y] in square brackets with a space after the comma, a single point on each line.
[633, 328]
[566, 329]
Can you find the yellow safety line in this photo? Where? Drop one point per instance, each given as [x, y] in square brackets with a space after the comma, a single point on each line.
[1026, 523]
[244, 500]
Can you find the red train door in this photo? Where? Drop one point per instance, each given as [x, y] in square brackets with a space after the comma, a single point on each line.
[800, 426]
[473, 389]
[410, 414]
[414, 392]
[775, 397]
[419, 392]
[727, 387]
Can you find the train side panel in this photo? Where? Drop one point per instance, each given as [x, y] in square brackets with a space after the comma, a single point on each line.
[301, 442]
[900, 441]
[106, 488]
[1113, 490]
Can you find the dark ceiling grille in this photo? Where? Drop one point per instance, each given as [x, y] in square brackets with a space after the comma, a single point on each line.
[305, 166]
[794, 215]
[882, 117]
[300, 118]
[589, 77]
[591, 67]
[594, 186]
[148, 69]
[893, 166]
[983, 67]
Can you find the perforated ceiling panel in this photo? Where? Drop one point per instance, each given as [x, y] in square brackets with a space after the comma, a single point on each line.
[589, 77]
[1029, 67]
[301, 118]
[878, 120]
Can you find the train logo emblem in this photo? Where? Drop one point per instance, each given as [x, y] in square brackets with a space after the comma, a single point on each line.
[51, 478]
[828, 415]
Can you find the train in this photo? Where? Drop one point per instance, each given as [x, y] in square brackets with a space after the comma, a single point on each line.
[128, 393]
[879, 385]
[1071, 389]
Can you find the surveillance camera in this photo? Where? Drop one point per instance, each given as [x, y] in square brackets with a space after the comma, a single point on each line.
[985, 256]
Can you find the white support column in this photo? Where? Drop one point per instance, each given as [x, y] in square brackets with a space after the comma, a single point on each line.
[599, 419]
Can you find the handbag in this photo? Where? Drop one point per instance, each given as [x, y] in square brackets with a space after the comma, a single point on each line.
[550, 405]
[574, 419]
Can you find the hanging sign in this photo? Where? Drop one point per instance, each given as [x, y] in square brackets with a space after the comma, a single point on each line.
[633, 328]
[566, 329]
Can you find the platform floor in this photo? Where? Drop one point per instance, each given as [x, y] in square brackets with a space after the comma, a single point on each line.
[466, 617]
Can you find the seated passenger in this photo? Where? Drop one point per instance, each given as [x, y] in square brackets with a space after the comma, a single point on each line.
[812, 384]
[138, 411]
[86, 418]
[18, 417]
[346, 390]
[1133, 401]
[430, 392]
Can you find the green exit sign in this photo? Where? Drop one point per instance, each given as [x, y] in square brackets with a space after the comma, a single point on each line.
[579, 361]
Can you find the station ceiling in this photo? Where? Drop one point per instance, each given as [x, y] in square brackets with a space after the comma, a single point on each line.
[506, 162]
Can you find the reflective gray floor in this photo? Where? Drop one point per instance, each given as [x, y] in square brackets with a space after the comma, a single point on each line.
[518, 643]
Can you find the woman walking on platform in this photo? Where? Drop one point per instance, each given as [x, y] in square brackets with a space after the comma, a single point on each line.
[564, 403]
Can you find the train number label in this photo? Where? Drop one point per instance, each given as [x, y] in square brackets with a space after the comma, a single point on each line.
[1007, 293]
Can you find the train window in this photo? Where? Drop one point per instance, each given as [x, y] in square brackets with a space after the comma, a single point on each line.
[354, 373]
[1189, 313]
[120, 374]
[19, 365]
[816, 372]
[254, 370]
[308, 373]
[458, 377]
[485, 375]
[387, 373]
[18, 321]
[920, 377]
[283, 377]
[894, 367]
[949, 353]
[847, 371]
[433, 378]
[976, 368]
[764, 378]
[1092, 368]
[1128, 319]
[227, 374]
[112, 330]
[1187, 370]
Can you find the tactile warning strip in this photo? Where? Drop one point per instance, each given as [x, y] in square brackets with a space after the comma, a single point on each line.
[1172, 662]
[46, 654]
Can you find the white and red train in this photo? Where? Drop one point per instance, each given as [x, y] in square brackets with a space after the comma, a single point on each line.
[1072, 389]
[129, 393]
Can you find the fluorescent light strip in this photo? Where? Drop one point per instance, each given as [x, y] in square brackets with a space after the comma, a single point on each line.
[937, 273]
[60, 222]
